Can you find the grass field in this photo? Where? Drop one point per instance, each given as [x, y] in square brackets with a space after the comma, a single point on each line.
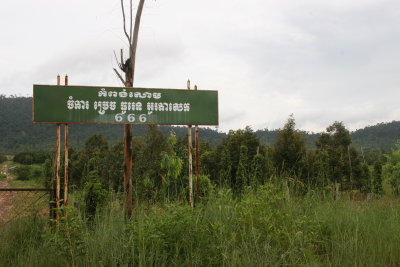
[262, 229]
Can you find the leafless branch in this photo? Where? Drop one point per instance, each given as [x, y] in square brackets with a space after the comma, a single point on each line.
[130, 28]
[119, 64]
[122, 58]
[133, 45]
[123, 16]
[119, 76]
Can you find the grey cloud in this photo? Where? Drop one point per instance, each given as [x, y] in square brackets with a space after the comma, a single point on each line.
[321, 60]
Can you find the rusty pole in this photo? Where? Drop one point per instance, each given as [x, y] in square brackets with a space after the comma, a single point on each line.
[190, 159]
[58, 164]
[197, 161]
[66, 157]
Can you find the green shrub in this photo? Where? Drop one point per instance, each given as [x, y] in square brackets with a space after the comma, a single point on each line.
[2, 158]
[39, 157]
[23, 158]
[37, 172]
[30, 158]
[206, 186]
[94, 196]
[23, 173]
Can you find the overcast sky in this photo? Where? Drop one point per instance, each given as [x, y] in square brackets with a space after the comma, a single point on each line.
[321, 60]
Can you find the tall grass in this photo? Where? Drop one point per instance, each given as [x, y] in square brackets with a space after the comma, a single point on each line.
[264, 228]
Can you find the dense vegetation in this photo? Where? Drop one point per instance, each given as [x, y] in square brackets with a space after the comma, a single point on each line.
[263, 229]
[239, 161]
[271, 202]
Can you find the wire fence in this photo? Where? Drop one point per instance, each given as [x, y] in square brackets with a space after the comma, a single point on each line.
[19, 202]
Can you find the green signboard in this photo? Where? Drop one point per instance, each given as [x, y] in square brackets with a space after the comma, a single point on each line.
[81, 104]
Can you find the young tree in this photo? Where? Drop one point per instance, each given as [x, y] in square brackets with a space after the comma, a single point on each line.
[377, 178]
[225, 170]
[335, 142]
[171, 166]
[113, 167]
[258, 171]
[91, 158]
[290, 150]
[128, 67]
[242, 171]
[229, 151]
[365, 178]
[391, 170]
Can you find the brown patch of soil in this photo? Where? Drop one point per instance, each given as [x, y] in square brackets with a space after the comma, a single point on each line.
[6, 198]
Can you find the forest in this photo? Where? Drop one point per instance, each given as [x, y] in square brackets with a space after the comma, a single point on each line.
[267, 198]
[239, 161]
[19, 134]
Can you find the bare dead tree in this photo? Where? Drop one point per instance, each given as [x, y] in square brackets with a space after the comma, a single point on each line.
[128, 67]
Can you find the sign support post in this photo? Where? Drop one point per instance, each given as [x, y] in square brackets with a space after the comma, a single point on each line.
[197, 161]
[128, 170]
[66, 182]
[190, 159]
[58, 126]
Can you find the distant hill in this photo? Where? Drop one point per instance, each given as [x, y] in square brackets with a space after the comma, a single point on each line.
[18, 133]
[382, 136]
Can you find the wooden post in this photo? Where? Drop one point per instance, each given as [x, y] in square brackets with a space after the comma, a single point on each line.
[58, 164]
[66, 157]
[196, 140]
[190, 159]
[351, 171]
[362, 153]
[128, 170]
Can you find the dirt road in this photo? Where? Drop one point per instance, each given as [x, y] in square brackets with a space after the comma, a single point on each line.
[6, 198]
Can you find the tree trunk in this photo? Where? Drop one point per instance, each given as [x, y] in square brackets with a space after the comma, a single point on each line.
[129, 79]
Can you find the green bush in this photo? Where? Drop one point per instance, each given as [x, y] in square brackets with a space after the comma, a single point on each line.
[206, 186]
[23, 158]
[30, 158]
[37, 172]
[3, 158]
[94, 196]
[23, 173]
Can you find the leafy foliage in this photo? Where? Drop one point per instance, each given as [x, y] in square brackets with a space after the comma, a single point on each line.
[377, 178]
[23, 173]
[94, 196]
[290, 150]
[30, 158]
[3, 158]
[342, 161]
[391, 170]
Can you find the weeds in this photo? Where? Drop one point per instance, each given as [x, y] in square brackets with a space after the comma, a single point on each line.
[264, 228]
